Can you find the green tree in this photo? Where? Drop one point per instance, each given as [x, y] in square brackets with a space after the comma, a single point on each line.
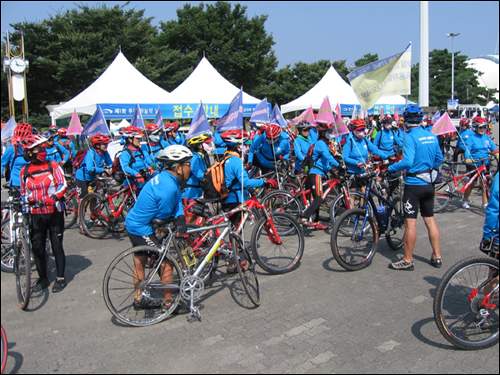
[467, 88]
[366, 59]
[235, 45]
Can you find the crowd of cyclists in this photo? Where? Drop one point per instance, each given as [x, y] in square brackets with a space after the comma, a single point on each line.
[166, 170]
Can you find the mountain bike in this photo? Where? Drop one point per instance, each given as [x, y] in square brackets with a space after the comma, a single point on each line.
[455, 186]
[98, 214]
[466, 303]
[20, 246]
[71, 199]
[355, 235]
[122, 280]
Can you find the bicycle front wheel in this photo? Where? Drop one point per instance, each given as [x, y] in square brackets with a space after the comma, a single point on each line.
[127, 277]
[278, 255]
[94, 215]
[4, 349]
[247, 273]
[442, 196]
[462, 314]
[355, 250]
[7, 260]
[71, 212]
[22, 270]
[282, 201]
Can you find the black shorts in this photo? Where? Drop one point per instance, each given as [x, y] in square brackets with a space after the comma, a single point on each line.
[150, 240]
[418, 196]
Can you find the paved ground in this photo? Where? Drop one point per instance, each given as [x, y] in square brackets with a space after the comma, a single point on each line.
[317, 319]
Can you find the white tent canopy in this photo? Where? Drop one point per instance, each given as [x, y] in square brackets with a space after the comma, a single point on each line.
[206, 84]
[338, 91]
[121, 82]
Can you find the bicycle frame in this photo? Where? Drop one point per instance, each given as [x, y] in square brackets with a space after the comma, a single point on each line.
[478, 172]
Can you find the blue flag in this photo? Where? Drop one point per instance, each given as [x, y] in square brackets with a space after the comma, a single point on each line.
[159, 119]
[277, 118]
[199, 124]
[8, 130]
[137, 118]
[260, 113]
[96, 124]
[436, 116]
[233, 119]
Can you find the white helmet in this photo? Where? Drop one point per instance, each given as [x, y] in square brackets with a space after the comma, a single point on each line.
[173, 155]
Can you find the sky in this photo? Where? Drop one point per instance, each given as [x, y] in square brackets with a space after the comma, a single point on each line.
[310, 31]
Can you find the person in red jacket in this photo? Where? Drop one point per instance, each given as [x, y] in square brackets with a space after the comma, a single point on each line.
[43, 181]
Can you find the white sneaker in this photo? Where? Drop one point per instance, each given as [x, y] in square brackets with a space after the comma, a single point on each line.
[484, 206]
[465, 205]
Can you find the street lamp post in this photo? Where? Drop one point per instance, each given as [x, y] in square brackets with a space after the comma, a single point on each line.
[452, 64]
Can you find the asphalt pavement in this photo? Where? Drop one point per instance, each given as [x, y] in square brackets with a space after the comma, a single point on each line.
[316, 319]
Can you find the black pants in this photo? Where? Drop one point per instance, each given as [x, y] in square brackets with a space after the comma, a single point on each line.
[54, 225]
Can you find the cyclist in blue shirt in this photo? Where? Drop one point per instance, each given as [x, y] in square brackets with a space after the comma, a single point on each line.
[132, 159]
[301, 144]
[55, 151]
[421, 155]
[160, 198]
[67, 143]
[387, 139]
[463, 135]
[268, 148]
[173, 136]
[153, 145]
[478, 146]
[13, 159]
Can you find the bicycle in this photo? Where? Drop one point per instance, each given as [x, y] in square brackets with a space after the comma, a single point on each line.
[455, 186]
[355, 245]
[20, 247]
[100, 214]
[466, 303]
[121, 280]
[71, 199]
[4, 349]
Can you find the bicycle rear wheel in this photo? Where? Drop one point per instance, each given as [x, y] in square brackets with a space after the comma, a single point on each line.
[459, 312]
[71, 212]
[356, 250]
[248, 276]
[442, 196]
[122, 281]
[282, 201]
[273, 256]
[338, 207]
[395, 225]
[7, 250]
[22, 270]
[5, 347]
[94, 215]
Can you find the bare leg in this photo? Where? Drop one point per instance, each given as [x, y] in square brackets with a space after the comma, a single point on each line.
[434, 235]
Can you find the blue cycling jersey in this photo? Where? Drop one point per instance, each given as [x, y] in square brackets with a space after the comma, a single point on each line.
[357, 151]
[463, 136]
[323, 159]
[93, 164]
[387, 139]
[160, 198]
[268, 153]
[193, 184]
[14, 163]
[491, 221]
[477, 147]
[421, 153]
[236, 176]
[300, 147]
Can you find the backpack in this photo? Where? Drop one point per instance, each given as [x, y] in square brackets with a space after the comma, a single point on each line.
[67, 147]
[116, 170]
[77, 162]
[213, 182]
[308, 161]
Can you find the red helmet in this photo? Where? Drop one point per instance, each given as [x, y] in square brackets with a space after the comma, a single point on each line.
[99, 139]
[150, 128]
[21, 131]
[273, 131]
[234, 137]
[324, 126]
[465, 121]
[479, 121]
[131, 132]
[387, 120]
[31, 141]
[53, 128]
[62, 131]
[172, 126]
[357, 124]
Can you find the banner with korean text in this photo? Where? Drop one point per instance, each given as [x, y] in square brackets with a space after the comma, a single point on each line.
[444, 125]
[389, 76]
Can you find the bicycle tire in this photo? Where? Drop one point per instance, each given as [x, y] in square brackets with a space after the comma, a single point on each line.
[395, 225]
[248, 277]
[71, 211]
[22, 270]
[7, 249]
[278, 258]
[354, 255]
[282, 201]
[338, 207]
[94, 221]
[119, 289]
[454, 305]
[443, 196]
[5, 349]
